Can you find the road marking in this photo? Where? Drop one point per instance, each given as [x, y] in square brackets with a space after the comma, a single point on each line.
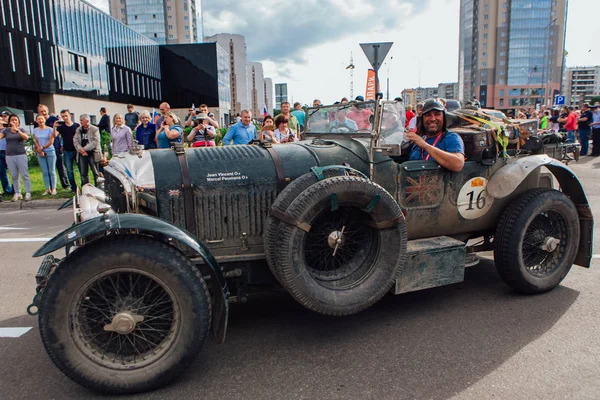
[17, 240]
[13, 332]
[596, 256]
[10, 228]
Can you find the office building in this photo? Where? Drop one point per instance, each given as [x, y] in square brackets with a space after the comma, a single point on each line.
[269, 95]
[235, 46]
[511, 52]
[581, 84]
[164, 21]
[72, 55]
[281, 94]
[256, 87]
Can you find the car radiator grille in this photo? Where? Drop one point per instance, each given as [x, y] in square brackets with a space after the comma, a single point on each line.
[116, 193]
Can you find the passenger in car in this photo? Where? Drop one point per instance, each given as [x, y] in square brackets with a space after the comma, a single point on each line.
[445, 147]
[341, 124]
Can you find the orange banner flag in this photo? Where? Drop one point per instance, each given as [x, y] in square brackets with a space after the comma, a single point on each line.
[370, 95]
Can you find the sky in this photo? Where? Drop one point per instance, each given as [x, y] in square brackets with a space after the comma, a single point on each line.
[308, 43]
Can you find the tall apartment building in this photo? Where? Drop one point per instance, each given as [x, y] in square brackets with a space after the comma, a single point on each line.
[235, 46]
[581, 84]
[256, 87]
[269, 95]
[511, 52]
[164, 21]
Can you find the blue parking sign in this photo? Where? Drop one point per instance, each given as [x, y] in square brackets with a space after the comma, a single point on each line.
[559, 100]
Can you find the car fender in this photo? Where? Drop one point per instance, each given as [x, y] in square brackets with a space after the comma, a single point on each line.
[145, 223]
[508, 178]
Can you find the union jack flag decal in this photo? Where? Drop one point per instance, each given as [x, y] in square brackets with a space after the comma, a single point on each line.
[423, 190]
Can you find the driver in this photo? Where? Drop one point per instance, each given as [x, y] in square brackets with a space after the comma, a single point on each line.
[445, 147]
[341, 123]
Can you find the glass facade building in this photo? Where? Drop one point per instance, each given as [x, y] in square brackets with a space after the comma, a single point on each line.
[69, 47]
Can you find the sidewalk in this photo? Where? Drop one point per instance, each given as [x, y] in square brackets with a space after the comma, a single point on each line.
[24, 205]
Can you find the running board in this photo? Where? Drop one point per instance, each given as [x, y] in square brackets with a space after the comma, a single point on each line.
[432, 262]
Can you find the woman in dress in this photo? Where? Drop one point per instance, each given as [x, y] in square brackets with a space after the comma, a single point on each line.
[46, 154]
[121, 136]
[146, 131]
[16, 156]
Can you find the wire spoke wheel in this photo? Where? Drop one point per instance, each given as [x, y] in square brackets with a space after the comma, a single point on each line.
[544, 243]
[339, 249]
[125, 319]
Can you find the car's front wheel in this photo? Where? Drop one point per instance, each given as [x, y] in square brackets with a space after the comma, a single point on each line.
[124, 315]
[536, 241]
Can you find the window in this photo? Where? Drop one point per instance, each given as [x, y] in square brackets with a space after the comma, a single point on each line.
[155, 35]
[502, 53]
[484, 7]
[483, 91]
[485, 26]
[504, 5]
[153, 16]
[504, 24]
[486, 17]
[170, 27]
[168, 8]
[501, 72]
[484, 54]
[485, 35]
[484, 83]
[123, 11]
[501, 92]
[170, 17]
[501, 102]
[187, 36]
[484, 64]
[170, 36]
[136, 17]
[502, 44]
[185, 18]
[500, 81]
[483, 73]
[552, 33]
[503, 15]
[501, 63]
[551, 42]
[485, 45]
[553, 13]
[187, 28]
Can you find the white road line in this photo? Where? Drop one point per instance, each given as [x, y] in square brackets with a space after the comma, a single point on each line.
[13, 332]
[596, 256]
[17, 240]
[10, 228]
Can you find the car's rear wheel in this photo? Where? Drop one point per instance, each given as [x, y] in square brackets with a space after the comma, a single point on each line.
[351, 255]
[124, 315]
[536, 241]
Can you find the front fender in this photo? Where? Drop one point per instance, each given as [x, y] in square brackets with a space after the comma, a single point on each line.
[508, 178]
[145, 223]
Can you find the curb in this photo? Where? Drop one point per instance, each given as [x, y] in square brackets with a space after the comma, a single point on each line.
[33, 204]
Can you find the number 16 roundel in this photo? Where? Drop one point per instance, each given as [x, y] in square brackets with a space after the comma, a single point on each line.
[474, 199]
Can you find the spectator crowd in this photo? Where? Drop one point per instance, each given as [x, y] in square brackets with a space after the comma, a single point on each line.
[60, 144]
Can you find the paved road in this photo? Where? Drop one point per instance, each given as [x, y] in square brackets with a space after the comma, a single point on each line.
[473, 340]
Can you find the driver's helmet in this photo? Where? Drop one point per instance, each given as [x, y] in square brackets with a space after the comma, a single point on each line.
[430, 105]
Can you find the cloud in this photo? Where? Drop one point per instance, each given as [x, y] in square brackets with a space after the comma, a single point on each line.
[282, 31]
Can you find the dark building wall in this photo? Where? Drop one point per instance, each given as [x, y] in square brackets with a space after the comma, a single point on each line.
[189, 74]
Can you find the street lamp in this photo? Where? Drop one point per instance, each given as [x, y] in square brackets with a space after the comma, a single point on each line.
[389, 64]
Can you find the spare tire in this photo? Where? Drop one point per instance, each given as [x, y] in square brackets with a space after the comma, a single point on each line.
[272, 236]
[341, 245]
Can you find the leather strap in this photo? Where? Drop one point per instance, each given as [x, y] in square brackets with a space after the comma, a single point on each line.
[281, 181]
[187, 189]
[280, 215]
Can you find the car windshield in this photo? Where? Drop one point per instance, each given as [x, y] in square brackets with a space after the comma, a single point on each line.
[349, 118]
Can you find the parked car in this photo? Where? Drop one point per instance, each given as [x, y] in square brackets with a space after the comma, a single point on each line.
[452, 104]
[173, 236]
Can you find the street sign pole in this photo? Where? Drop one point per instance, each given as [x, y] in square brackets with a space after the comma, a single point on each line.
[376, 53]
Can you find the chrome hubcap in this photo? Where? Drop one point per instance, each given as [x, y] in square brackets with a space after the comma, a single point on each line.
[550, 244]
[123, 323]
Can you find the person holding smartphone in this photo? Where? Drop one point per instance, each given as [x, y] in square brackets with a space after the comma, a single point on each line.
[169, 131]
[16, 156]
[203, 134]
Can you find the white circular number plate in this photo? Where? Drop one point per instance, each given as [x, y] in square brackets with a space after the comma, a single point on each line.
[474, 199]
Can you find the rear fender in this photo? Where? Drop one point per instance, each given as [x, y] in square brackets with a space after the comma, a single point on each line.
[508, 178]
[114, 222]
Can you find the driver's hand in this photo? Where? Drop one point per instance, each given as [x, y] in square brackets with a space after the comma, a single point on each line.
[416, 139]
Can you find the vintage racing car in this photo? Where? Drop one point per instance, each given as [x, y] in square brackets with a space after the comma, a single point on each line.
[171, 237]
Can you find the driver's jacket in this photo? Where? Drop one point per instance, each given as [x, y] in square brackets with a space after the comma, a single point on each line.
[348, 123]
